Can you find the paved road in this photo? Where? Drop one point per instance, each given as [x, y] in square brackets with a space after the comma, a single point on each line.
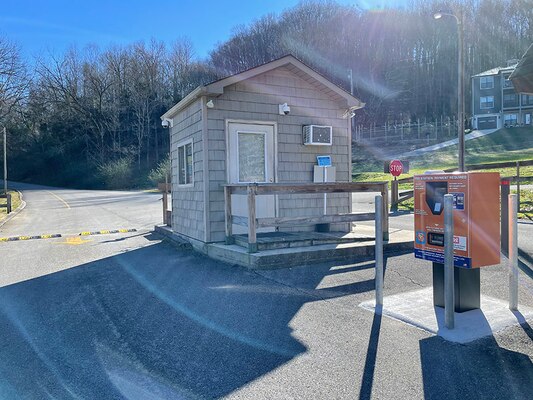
[70, 212]
[129, 316]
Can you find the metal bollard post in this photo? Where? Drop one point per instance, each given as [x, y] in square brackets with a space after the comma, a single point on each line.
[449, 296]
[513, 252]
[504, 217]
[379, 250]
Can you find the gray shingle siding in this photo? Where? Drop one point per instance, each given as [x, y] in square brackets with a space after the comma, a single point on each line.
[188, 202]
[257, 99]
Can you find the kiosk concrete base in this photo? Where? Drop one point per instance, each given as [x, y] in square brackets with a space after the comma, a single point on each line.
[467, 285]
[415, 309]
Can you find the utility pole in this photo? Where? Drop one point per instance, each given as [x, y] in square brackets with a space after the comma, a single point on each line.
[5, 161]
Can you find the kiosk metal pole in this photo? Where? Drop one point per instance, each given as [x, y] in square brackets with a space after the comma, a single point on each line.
[513, 252]
[449, 300]
[379, 250]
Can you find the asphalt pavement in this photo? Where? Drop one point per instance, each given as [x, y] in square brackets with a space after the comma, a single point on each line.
[131, 316]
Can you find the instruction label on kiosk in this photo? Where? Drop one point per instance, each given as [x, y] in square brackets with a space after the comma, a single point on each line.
[476, 215]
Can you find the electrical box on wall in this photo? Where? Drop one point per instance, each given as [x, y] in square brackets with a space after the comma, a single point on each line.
[476, 217]
[317, 135]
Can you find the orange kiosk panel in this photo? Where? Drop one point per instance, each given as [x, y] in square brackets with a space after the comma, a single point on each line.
[476, 217]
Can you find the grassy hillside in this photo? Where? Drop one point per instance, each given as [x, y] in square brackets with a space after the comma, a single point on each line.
[513, 144]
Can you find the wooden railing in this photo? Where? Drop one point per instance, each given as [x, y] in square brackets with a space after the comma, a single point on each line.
[165, 188]
[258, 189]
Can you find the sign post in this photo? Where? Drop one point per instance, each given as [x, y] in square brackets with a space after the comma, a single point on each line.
[395, 168]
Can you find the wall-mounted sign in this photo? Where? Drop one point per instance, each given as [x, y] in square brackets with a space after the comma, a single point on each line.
[323, 161]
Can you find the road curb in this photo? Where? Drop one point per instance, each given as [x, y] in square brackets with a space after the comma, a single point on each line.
[16, 212]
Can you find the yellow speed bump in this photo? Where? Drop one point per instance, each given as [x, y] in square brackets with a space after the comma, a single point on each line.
[16, 238]
[106, 232]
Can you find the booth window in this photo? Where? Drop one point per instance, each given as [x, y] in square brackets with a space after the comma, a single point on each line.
[185, 164]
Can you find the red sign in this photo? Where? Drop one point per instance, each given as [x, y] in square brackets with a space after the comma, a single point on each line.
[396, 167]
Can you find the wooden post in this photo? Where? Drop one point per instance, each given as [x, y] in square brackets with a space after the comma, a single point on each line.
[8, 201]
[385, 194]
[227, 215]
[165, 206]
[394, 195]
[252, 222]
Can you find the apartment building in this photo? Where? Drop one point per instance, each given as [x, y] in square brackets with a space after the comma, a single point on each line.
[496, 103]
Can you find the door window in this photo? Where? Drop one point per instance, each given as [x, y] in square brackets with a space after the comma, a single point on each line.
[251, 157]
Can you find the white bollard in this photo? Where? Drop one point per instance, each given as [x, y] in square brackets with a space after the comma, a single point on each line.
[449, 296]
[513, 252]
[379, 251]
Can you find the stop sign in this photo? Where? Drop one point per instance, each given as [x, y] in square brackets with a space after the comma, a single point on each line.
[396, 167]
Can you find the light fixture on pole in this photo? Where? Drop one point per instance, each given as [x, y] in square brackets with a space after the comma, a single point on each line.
[460, 84]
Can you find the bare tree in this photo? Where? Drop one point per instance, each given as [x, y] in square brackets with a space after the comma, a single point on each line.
[14, 79]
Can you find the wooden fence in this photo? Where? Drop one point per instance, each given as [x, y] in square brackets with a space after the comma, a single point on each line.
[257, 189]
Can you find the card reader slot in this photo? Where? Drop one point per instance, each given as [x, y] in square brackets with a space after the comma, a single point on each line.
[436, 239]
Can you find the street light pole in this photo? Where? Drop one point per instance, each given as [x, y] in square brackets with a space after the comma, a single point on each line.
[461, 93]
[460, 85]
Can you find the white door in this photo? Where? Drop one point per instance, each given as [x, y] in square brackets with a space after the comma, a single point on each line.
[251, 160]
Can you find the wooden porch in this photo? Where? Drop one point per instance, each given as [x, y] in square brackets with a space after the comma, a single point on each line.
[257, 189]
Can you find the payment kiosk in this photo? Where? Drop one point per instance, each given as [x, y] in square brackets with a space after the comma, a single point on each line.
[476, 213]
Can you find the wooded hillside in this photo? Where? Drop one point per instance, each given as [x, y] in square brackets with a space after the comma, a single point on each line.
[90, 117]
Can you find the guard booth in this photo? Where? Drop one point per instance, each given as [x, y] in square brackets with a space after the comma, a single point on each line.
[476, 236]
[276, 127]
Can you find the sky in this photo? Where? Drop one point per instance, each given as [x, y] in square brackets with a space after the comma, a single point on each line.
[42, 27]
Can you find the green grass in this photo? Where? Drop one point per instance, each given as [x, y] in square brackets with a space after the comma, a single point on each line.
[526, 204]
[506, 145]
[15, 203]
[510, 144]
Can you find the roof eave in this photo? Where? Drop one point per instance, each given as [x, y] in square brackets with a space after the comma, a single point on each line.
[199, 91]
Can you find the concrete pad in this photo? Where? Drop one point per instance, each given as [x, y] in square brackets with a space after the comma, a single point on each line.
[416, 309]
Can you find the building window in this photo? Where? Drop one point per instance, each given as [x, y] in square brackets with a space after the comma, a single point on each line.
[510, 100]
[486, 102]
[486, 82]
[185, 164]
[507, 83]
[527, 100]
[510, 119]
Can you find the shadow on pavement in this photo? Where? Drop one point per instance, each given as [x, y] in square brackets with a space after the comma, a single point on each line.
[478, 370]
[156, 322]
[151, 322]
